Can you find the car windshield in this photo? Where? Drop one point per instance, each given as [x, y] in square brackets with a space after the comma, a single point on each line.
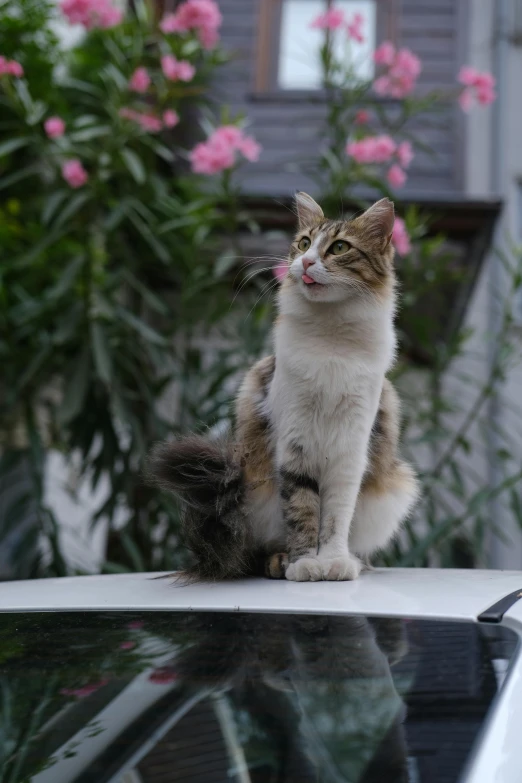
[254, 698]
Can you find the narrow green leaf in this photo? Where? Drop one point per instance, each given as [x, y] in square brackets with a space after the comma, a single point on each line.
[93, 132]
[515, 502]
[151, 299]
[146, 331]
[67, 278]
[147, 235]
[114, 568]
[101, 352]
[132, 551]
[17, 176]
[34, 366]
[74, 206]
[52, 204]
[75, 389]
[134, 165]
[11, 145]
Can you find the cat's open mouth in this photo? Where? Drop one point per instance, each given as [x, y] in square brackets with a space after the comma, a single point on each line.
[309, 280]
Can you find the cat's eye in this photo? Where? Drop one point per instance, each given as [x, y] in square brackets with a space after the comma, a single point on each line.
[304, 244]
[339, 247]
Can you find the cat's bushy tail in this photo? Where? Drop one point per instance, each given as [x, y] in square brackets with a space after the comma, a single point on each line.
[209, 480]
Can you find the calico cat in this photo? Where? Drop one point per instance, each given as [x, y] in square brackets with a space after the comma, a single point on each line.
[312, 480]
[314, 693]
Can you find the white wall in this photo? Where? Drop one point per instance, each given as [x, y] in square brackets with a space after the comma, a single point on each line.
[494, 168]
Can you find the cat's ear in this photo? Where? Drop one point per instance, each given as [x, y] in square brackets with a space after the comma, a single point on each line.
[308, 211]
[378, 221]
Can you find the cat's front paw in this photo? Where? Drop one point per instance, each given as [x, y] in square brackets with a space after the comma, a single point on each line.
[306, 569]
[341, 569]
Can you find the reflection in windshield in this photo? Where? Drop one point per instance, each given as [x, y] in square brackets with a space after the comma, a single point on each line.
[212, 697]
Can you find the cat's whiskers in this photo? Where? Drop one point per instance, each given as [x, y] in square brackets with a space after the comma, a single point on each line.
[267, 289]
[248, 279]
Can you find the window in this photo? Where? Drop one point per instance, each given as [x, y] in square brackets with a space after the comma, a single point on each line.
[299, 45]
[186, 696]
[289, 49]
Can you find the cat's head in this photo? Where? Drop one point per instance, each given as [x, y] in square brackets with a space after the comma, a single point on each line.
[337, 260]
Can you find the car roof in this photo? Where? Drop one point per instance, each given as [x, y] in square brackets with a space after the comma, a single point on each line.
[394, 592]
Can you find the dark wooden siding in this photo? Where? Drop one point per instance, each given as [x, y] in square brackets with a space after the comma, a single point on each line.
[289, 129]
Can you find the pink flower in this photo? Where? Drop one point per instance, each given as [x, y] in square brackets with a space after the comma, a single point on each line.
[219, 151]
[405, 154]
[186, 71]
[140, 80]
[170, 24]
[396, 176]
[384, 54]
[478, 86]
[86, 690]
[229, 134]
[203, 16]
[407, 64]
[11, 67]
[400, 237]
[330, 20]
[362, 117]
[280, 271]
[91, 13]
[403, 70]
[466, 99]
[54, 127]
[354, 28]
[135, 625]
[211, 157]
[237, 140]
[163, 676]
[170, 118]
[382, 85]
[177, 70]
[372, 149]
[468, 75]
[127, 645]
[148, 122]
[249, 148]
[74, 173]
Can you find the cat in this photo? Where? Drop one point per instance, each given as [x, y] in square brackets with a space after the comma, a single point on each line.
[312, 480]
[314, 696]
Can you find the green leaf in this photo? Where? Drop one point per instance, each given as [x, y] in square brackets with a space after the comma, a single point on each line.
[17, 176]
[109, 567]
[146, 331]
[75, 390]
[224, 263]
[74, 206]
[515, 503]
[67, 278]
[93, 132]
[101, 352]
[132, 550]
[51, 205]
[151, 299]
[134, 165]
[78, 84]
[159, 249]
[11, 145]
[34, 366]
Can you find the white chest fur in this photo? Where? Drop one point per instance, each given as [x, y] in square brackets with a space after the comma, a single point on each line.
[328, 378]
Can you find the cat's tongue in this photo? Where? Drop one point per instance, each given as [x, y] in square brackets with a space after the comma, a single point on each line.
[307, 279]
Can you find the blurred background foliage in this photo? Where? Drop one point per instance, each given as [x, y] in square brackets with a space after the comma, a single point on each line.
[129, 308]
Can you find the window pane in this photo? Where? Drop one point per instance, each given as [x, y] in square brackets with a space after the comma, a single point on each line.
[195, 696]
[299, 62]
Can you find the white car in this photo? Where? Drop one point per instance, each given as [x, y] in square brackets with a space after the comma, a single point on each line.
[402, 675]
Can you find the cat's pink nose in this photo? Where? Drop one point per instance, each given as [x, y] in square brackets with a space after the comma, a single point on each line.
[307, 262]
